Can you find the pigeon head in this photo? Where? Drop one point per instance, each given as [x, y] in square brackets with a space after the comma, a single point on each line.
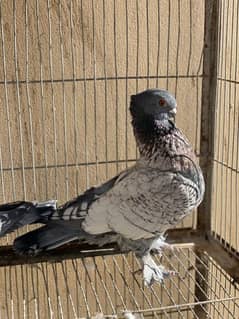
[153, 103]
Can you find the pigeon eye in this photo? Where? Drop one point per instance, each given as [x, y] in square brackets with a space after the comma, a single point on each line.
[162, 102]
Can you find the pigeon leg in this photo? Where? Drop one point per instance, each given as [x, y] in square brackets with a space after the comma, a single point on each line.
[153, 272]
[142, 248]
[159, 245]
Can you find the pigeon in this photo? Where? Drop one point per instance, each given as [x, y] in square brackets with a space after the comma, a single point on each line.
[134, 208]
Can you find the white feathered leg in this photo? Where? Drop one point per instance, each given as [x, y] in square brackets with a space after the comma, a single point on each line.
[151, 271]
[159, 244]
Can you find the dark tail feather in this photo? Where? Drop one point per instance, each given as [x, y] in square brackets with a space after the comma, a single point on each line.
[46, 238]
[18, 214]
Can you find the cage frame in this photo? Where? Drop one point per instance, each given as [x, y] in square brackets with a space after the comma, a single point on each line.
[201, 237]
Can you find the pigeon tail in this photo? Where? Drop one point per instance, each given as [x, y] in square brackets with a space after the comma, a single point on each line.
[58, 233]
[45, 238]
[17, 214]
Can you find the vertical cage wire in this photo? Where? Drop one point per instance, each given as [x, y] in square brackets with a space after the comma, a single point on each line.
[66, 77]
[67, 71]
[44, 290]
[226, 156]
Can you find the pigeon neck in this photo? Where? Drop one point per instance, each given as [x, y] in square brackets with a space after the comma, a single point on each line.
[148, 131]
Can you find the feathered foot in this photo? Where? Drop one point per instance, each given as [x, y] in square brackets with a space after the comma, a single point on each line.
[159, 245]
[153, 272]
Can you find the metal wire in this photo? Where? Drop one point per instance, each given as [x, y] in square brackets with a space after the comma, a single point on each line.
[68, 69]
[111, 291]
[225, 159]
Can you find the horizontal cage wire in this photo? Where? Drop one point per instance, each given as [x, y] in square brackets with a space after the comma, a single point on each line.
[67, 71]
[226, 144]
[105, 286]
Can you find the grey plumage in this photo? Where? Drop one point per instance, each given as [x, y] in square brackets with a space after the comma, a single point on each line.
[17, 214]
[134, 208]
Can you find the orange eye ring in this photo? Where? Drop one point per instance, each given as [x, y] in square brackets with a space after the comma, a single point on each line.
[162, 102]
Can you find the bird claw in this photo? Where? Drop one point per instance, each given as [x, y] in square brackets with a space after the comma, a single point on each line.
[153, 272]
[156, 274]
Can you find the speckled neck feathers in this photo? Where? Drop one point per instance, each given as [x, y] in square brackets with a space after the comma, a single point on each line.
[150, 135]
[148, 131]
[162, 145]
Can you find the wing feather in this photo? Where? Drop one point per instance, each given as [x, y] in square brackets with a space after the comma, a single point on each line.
[143, 203]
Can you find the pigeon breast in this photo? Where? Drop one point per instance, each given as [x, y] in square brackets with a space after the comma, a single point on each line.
[163, 186]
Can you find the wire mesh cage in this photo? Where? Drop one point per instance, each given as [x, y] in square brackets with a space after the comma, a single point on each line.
[67, 71]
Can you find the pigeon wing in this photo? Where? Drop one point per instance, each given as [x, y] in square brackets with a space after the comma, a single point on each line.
[142, 204]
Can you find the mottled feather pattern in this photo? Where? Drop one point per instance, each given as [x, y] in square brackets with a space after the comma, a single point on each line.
[134, 208]
[167, 148]
[146, 202]
[78, 207]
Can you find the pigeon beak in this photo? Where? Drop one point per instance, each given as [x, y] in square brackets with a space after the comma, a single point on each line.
[173, 113]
